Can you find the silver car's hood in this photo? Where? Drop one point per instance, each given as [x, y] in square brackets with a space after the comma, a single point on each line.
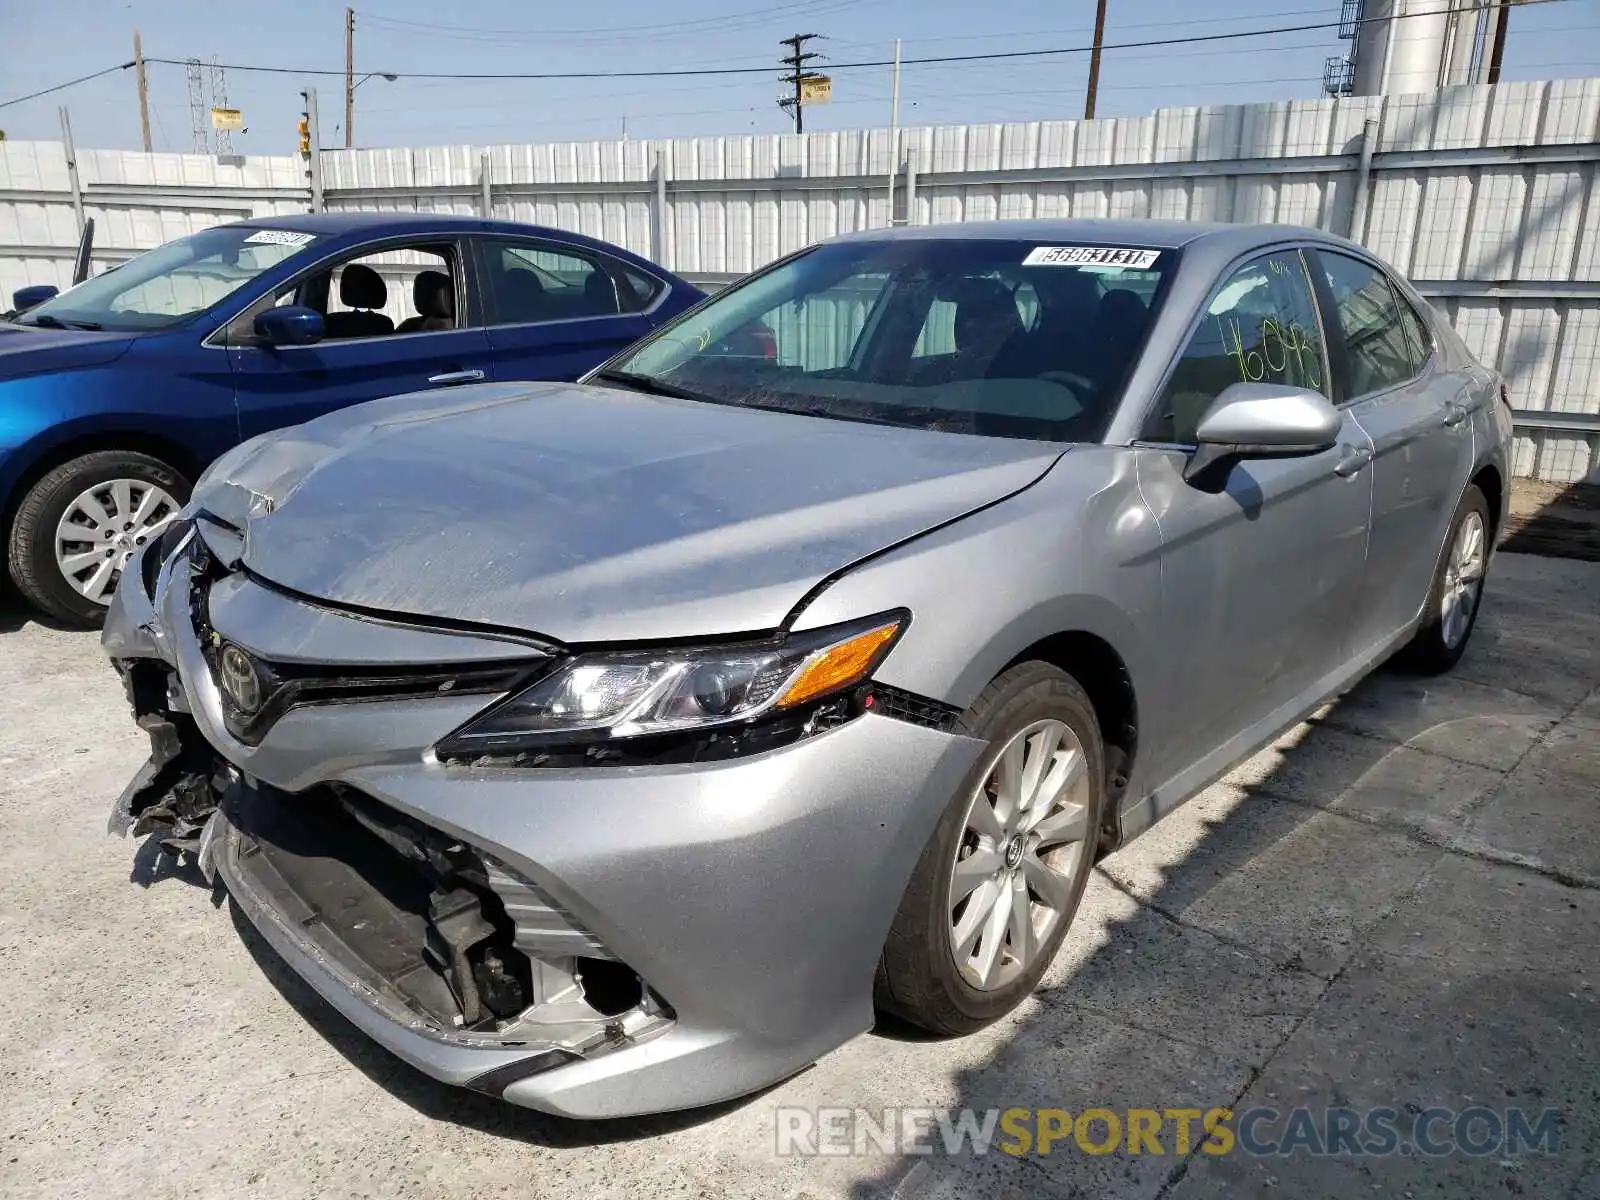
[590, 514]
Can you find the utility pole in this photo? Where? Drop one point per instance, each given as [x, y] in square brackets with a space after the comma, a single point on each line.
[144, 90]
[1094, 60]
[796, 62]
[349, 79]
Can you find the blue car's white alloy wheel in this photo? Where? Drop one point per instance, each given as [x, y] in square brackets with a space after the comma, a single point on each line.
[102, 527]
[1026, 838]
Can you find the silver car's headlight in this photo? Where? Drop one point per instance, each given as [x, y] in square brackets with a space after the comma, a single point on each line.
[652, 696]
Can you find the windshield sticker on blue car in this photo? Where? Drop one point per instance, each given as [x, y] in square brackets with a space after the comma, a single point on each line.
[1090, 256]
[280, 237]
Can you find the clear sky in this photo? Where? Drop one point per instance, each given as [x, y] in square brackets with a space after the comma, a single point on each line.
[44, 42]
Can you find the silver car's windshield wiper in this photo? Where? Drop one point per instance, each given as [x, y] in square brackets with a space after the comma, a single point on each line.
[651, 385]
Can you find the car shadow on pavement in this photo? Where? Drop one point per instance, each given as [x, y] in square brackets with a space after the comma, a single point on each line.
[1323, 928]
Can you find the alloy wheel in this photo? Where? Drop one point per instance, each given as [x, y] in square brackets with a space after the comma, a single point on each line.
[1025, 840]
[1463, 580]
[101, 529]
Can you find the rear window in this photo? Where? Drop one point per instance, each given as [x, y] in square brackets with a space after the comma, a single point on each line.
[1007, 338]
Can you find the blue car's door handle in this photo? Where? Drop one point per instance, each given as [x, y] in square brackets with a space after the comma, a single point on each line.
[1454, 414]
[456, 377]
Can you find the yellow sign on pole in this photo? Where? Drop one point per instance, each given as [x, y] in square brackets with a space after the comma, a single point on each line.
[816, 89]
[227, 118]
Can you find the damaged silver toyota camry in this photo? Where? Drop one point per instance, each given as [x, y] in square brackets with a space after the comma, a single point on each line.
[624, 746]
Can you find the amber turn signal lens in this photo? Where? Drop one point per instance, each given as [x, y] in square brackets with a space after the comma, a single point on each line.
[838, 666]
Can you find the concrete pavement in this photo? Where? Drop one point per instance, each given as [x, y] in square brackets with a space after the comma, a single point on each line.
[1395, 906]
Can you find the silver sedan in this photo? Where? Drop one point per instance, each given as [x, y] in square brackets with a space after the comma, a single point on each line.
[626, 746]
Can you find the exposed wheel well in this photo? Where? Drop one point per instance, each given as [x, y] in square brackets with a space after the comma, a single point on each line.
[1099, 669]
[171, 453]
[1488, 482]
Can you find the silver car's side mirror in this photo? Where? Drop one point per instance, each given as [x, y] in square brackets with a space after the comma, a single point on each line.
[1262, 420]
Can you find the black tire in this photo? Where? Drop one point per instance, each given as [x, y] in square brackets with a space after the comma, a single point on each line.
[917, 978]
[31, 546]
[1428, 652]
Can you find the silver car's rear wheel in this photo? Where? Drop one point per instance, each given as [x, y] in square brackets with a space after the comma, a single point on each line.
[102, 527]
[1451, 610]
[1463, 579]
[1020, 852]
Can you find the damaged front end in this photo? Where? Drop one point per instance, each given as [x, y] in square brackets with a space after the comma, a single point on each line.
[453, 958]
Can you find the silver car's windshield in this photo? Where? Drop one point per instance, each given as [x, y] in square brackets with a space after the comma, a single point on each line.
[1009, 338]
[169, 284]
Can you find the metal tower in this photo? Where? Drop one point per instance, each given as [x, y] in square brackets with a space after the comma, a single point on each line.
[199, 110]
[219, 99]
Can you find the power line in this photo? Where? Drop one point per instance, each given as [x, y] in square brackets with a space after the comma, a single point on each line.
[69, 83]
[730, 71]
[993, 56]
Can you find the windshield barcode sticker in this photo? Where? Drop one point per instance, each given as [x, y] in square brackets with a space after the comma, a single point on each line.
[280, 237]
[1090, 256]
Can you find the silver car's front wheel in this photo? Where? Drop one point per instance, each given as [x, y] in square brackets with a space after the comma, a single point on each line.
[999, 880]
[1022, 845]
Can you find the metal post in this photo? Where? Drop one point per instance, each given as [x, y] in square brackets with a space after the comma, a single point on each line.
[658, 216]
[894, 130]
[485, 198]
[316, 150]
[1358, 209]
[144, 90]
[72, 168]
[911, 187]
[349, 79]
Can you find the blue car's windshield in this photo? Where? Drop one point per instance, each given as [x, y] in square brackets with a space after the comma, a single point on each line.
[988, 336]
[172, 283]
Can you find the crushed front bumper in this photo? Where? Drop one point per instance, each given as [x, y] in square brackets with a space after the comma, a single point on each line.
[750, 896]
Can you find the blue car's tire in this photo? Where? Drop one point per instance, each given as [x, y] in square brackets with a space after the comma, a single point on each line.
[36, 567]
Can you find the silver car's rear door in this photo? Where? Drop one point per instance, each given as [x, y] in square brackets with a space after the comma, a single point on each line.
[1417, 416]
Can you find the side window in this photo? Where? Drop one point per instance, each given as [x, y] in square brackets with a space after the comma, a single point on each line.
[1417, 334]
[400, 289]
[1377, 351]
[530, 282]
[1260, 327]
[645, 288]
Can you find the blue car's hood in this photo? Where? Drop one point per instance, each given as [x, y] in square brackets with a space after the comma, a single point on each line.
[590, 514]
[27, 350]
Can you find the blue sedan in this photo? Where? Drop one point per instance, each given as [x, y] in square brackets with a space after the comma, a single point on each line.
[115, 394]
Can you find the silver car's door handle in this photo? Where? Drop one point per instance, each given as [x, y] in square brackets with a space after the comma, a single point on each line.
[1454, 414]
[456, 377]
[1355, 458]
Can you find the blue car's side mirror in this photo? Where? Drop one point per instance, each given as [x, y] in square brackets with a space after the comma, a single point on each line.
[25, 298]
[290, 325]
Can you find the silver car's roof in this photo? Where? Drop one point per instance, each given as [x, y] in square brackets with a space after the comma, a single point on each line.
[1167, 235]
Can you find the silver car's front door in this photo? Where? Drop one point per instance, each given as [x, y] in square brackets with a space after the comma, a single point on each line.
[1417, 418]
[1259, 575]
